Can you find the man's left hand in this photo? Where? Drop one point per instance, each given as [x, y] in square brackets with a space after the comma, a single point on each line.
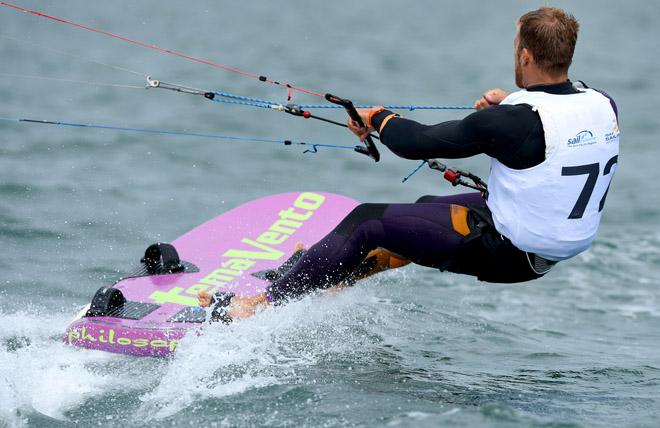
[490, 98]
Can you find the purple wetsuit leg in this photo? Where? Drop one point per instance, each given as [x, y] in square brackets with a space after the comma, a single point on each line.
[463, 199]
[421, 232]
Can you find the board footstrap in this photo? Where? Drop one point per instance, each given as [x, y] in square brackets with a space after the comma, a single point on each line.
[272, 275]
[220, 303]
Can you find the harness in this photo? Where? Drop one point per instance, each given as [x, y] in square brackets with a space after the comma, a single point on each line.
[486, 253]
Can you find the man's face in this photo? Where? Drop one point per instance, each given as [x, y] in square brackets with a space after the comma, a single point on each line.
[516, 55]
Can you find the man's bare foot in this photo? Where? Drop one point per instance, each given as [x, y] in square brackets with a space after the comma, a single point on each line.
[243, 307]
[246, 307]
[204, 299]
[239, 307]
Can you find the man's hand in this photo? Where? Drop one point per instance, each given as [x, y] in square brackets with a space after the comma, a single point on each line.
[365, 115]
[490, 98]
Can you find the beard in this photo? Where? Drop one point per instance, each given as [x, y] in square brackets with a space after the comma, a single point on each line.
[518, 73]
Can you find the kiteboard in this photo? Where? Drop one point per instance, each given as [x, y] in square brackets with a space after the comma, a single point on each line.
[147, 312]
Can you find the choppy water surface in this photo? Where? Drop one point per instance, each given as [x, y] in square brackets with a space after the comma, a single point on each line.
[411, 348]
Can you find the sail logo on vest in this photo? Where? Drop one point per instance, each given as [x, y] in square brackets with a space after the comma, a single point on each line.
[613, 137]
[582, 138]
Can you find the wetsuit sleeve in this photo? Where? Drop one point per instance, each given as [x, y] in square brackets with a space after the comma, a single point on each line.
[513, 134]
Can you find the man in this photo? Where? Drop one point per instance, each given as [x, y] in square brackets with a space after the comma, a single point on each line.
[553, 148]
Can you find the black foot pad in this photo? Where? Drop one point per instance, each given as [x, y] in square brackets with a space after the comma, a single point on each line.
[220, 302]
[272, 275]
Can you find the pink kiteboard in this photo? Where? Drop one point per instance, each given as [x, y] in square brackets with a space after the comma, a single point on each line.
[147, 312]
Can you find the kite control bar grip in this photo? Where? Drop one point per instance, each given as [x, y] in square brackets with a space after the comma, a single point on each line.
[455, 176]
[371, 150]
[452, 176]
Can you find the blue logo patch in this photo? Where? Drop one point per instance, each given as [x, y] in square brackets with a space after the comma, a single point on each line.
[582, 138]
[612, 137]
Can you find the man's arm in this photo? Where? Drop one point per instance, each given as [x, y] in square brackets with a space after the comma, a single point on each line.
[511, 133]
[413, 140]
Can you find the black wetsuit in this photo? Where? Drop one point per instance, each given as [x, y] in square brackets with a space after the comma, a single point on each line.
[422, 232]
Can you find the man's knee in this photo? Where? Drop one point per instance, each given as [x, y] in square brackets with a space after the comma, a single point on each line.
[360, 214]
[425, 199]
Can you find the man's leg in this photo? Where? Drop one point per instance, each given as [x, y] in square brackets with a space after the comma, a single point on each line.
[380, 259]
[464, 199]
[420, 232]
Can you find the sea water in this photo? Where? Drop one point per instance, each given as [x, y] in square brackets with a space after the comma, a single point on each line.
[413, 347]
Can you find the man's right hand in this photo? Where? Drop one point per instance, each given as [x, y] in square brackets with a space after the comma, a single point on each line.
[365, 115]
[490, 98]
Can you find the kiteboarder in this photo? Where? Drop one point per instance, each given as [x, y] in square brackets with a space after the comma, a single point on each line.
[553, 147]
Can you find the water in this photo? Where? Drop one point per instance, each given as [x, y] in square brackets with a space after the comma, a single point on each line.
[411, 348]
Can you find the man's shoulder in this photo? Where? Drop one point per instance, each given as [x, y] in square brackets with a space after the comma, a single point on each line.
[579, 84]
[502, 116]
[612, 102]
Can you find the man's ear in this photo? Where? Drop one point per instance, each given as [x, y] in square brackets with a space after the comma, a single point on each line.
[526, 56]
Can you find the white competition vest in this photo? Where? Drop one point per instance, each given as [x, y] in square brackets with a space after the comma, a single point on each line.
[553, 209]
